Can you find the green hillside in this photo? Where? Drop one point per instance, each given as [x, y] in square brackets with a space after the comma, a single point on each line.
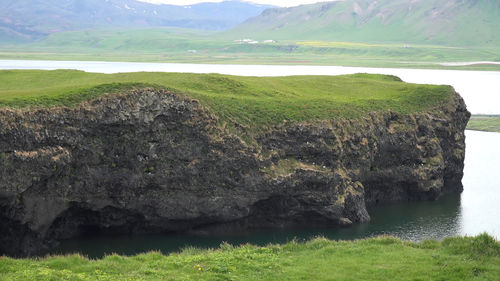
[35, 19]
[156, 40]
[251, 101]
[446, 22]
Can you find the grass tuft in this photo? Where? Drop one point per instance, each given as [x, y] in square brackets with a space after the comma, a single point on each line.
[481, 246]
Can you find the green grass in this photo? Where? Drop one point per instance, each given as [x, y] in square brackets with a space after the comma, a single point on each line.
[382, 258]
[488, 123]
[251, 101]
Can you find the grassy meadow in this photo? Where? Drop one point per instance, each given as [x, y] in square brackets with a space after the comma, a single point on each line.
[487, 123]
[251, 101]
[382, 258]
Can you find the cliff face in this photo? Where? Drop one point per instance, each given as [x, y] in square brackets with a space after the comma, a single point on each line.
[151, 161]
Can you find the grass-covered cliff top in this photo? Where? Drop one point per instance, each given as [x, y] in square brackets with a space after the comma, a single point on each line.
[383, 258]
[247, 100]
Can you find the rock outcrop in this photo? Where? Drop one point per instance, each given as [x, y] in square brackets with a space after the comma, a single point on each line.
[150, 161]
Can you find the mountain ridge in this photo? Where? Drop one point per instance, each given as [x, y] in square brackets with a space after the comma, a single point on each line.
[451, 22]
[28, 20]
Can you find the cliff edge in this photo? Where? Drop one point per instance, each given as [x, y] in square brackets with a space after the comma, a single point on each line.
[152, 161]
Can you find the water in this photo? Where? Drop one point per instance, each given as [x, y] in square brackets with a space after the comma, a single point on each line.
[480, 89]
[475, 211]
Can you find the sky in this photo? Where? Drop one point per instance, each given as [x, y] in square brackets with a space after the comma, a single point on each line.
[282, 3]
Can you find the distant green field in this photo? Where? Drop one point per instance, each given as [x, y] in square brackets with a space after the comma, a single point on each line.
[191, 46]
[488, 123]
[383, 258]
[254, 101]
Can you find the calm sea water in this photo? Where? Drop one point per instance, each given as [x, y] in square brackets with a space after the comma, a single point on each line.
[480, 89]
[475, 211]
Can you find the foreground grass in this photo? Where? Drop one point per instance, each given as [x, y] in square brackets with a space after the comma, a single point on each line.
[383, 258]
[252, 101]
[487, 123]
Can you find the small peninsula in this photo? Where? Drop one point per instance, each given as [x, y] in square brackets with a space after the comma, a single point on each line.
[86, 153]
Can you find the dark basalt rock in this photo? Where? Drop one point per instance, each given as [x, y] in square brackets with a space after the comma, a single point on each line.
[150, 161]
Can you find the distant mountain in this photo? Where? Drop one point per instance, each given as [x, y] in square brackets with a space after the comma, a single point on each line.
[450, 22]
[25, 20]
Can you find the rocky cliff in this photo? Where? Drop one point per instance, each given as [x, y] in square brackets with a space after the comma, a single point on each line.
[151, 161]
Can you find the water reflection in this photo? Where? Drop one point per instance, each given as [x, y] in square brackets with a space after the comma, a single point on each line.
[412, 221]
[418, 220]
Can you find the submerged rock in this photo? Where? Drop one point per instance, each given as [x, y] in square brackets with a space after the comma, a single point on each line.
[150, 161]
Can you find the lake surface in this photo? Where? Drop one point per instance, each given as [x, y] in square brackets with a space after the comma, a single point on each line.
[474, 211]
[480, 89]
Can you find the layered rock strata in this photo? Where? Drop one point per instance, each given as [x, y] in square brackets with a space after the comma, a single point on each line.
[151, 161]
